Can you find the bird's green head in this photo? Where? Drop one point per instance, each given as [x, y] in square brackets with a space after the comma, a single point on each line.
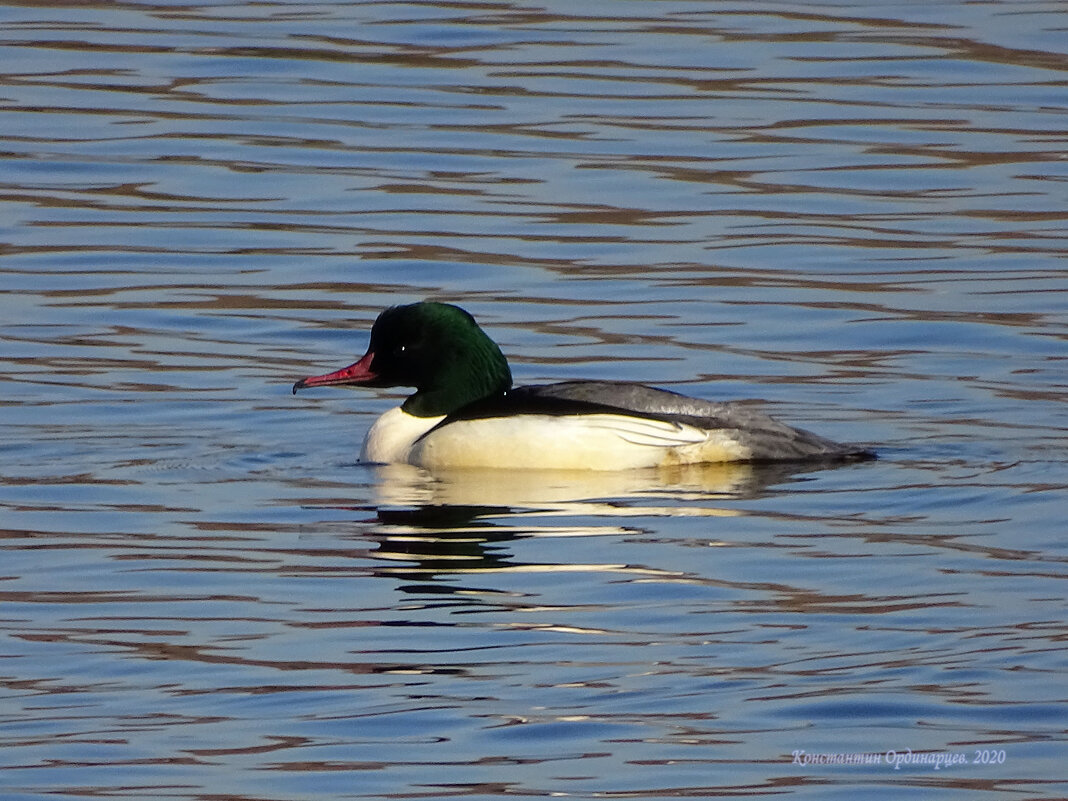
[437, 348]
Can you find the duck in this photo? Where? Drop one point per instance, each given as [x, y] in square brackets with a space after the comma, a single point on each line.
[465, 413]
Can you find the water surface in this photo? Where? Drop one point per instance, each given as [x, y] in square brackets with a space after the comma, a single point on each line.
[852, 211]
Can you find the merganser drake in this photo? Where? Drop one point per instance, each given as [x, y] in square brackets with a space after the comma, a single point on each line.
[465, 412]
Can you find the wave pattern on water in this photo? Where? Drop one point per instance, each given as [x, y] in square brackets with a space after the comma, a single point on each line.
[853, 212]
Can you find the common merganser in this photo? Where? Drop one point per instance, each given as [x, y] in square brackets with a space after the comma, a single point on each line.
[465, 412]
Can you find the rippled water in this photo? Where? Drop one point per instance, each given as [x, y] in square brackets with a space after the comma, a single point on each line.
[853, 211]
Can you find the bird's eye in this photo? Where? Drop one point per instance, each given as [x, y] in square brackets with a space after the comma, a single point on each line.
[400, 350]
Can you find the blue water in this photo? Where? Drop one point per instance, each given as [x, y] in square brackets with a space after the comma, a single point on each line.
[854, 212]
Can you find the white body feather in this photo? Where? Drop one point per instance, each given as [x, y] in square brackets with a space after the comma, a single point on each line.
[559, 442]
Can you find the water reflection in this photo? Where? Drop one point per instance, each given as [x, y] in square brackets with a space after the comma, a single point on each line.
[569, 491]
[453, 522]
[854, 212]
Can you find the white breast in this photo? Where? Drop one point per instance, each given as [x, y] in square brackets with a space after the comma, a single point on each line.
[392, 435]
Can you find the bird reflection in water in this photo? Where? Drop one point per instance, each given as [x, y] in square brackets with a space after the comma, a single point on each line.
[434, 525]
